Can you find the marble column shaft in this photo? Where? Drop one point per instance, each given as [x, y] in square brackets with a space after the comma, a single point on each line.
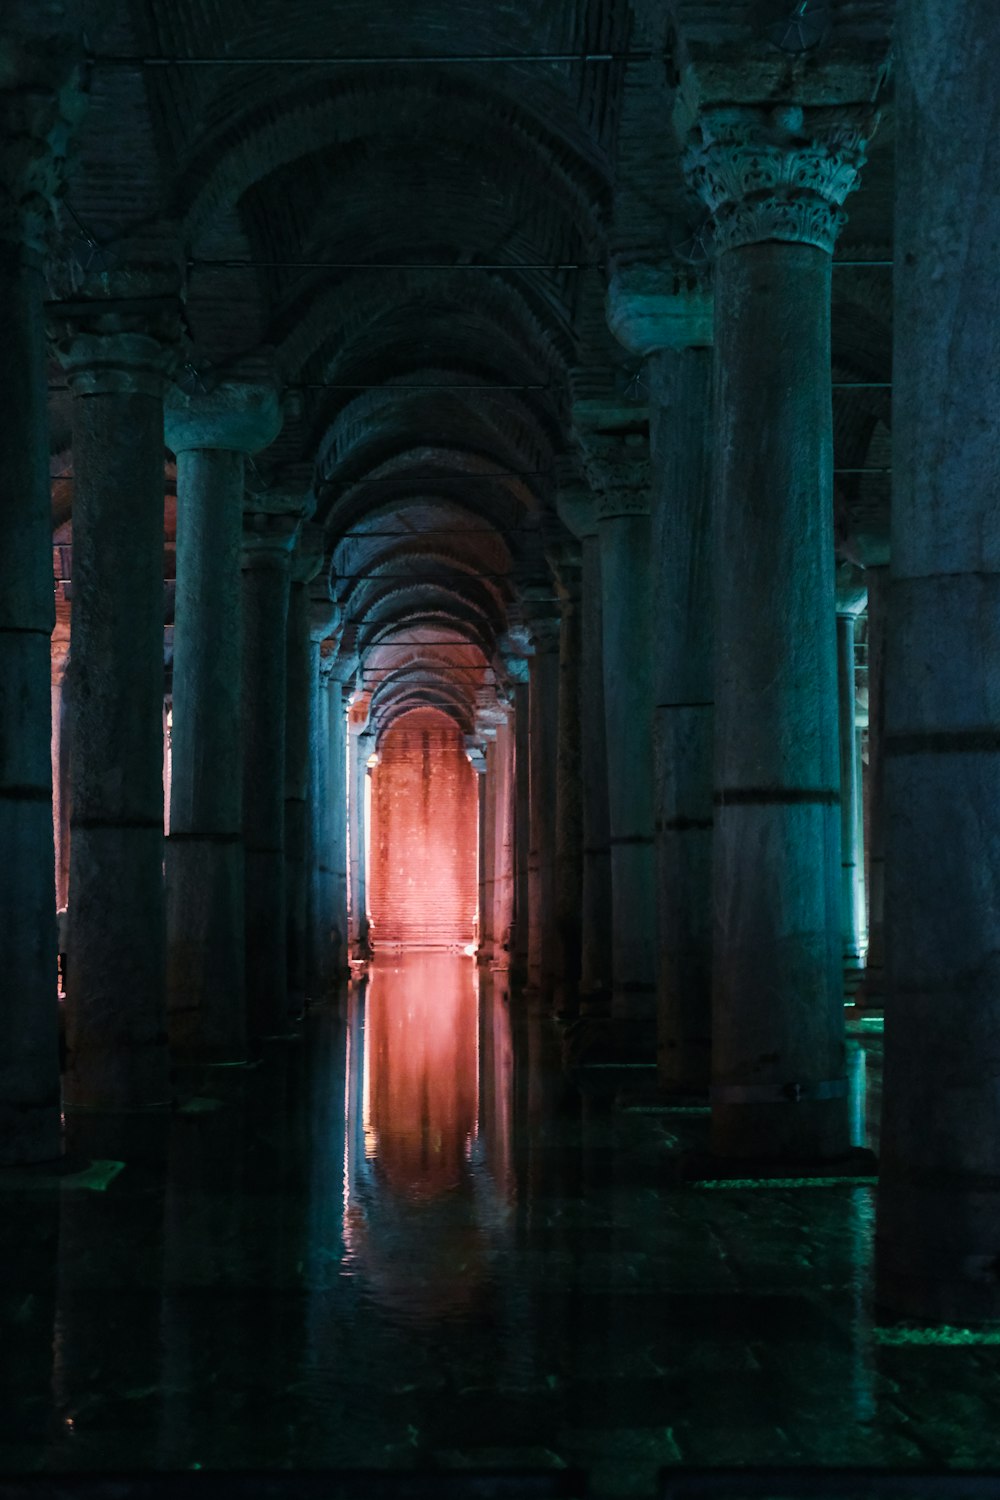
[774, 183]
[117, 352]
[297, 719]
[117, 355]
[479, 766]
[543, 683]
[361, 743]
[335, 853]
[267, 545]
[522, 824]
[680, 442]
[938, 1226]
[30, 170]
[211, 433]
[504, 845]
[874, 985]
[205, 938]
[319, 901]
[569, 808]
[850, 600]
[578, 511]
[620, 474]
[486, 932]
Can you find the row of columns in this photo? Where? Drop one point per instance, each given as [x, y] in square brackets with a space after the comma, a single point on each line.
[774, 186]
[721, 823]
[195, 965]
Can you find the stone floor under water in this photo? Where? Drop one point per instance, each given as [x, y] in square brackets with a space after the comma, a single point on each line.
[409, 1239]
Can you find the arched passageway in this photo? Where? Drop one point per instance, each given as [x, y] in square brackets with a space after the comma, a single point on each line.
[424, 883]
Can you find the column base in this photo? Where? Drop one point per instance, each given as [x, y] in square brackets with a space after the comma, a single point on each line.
[786, 1132]
[608, 1039]
[206, 1003]
[30, 1134]
[266, 973]
[685, 1067]
[116, 1043]
[936, 1253]
[870, 994]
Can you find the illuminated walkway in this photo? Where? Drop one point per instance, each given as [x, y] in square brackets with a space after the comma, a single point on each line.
[407, 1239]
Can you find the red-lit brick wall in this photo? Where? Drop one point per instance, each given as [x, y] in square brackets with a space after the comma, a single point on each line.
[425, 827]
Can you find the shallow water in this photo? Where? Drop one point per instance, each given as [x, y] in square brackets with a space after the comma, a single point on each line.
[409, 1239]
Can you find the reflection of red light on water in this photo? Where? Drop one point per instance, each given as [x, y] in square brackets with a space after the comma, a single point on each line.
[424, 832]
[422, 1088]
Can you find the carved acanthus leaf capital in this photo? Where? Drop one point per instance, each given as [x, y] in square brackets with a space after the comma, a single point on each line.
[123, 345]
[619, 473]
[268, 540]
[782, 174]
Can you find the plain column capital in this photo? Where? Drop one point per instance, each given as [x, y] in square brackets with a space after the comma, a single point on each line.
[237, 415]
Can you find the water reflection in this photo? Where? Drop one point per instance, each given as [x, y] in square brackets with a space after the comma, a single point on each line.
[427, 1110]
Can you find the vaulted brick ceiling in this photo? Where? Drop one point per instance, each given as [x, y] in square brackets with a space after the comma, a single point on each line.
[342, 215]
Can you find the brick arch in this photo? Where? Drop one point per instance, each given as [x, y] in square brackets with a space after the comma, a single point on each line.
[261, 137]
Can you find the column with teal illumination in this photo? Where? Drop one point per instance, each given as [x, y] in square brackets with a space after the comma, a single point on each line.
[774, 181]
[578, 512]
[361, 745]
[938, 1228]
[268, 540]
[322, 937]
[664, 312]
[851, 598]
[543, 733]
[306, 563]
[211, 432]
[619, 473]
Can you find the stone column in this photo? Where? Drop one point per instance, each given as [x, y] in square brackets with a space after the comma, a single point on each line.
[268, 539]
[296, 790]
[619, 473]
[578, 512]
[518, 668]
[569, 809]
[774, 182]
[503, 889]
[322, 956]
[360, 744]
[489, 846]
[118, 347]
[666, 314]
[307, 560]
[939, 1193]
[850, 597]
[477, 759]
[34, 130]
[211, 434]
[873, 991]
[336, 849]
[543, 721]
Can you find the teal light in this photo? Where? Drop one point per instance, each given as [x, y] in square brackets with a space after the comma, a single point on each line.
[96, 1178]
[947, 1335]
[782, 1182]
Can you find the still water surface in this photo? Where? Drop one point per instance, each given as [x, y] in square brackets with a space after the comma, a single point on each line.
[409, 1238]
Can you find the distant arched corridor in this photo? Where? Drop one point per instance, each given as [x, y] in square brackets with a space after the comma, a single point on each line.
[499, 741]
[424, 881]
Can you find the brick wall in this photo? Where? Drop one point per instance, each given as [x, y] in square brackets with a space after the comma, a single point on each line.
[424, 858]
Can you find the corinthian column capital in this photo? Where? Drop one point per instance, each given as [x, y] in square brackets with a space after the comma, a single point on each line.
[619, 473]
[777, 174]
